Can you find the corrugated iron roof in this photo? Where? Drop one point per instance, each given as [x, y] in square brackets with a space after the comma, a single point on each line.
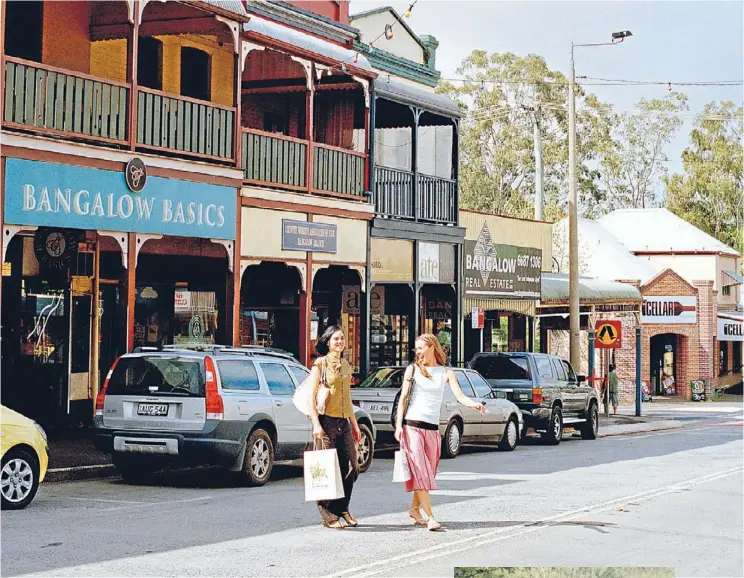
[554, 289]
[660, 231]
[389, 87]
[234, 6]
[306, 42]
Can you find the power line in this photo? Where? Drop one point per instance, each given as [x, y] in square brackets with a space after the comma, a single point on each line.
[599, 82]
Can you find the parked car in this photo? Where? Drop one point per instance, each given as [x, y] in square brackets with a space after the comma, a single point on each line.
[225, 406]
[546, 389]
[24, 450]
[457, 424]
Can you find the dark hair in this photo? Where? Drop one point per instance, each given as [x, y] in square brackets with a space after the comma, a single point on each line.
[322, 346]
[612, 367]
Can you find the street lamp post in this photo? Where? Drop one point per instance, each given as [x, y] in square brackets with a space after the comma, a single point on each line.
[573, 213]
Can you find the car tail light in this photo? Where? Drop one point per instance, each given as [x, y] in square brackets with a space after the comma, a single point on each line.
[215, 406]
[537, 395]
[102, 393]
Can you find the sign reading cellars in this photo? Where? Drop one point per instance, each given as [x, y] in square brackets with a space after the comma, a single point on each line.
[501, 270]
[54, 195]
[674, 309]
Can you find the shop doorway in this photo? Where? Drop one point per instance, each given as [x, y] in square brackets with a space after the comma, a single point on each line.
[665, 351]
[337, 300]
[48, 320]
[437, 312]
[270, 307]
[391, 327]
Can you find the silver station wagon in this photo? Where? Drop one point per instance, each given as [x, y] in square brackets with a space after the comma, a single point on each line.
[195, 405]
[457, 424]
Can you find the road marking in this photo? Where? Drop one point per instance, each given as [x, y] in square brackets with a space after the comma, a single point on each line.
[401, 561]
[99, 500]
[143, 504]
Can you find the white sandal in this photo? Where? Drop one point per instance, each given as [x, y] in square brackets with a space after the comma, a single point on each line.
[433, 525]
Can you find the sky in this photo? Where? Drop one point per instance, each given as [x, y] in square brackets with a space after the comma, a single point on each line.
[672, 41]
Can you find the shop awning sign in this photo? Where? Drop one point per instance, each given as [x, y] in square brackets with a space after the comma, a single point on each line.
[669, 310]
[46, 194]
[305, 236]
[493, 270]
[730, 327]
[608, 334]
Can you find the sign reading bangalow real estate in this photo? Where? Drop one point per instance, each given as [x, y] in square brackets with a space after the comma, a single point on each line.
[492, 270]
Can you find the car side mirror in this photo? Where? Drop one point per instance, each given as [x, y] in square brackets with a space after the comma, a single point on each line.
[581, 378]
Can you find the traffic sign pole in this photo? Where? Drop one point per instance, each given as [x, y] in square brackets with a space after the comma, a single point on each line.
[639, 385]
[607, 387]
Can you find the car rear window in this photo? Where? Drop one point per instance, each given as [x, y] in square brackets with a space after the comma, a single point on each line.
[158, 375]
[392, 378]
[502, 367]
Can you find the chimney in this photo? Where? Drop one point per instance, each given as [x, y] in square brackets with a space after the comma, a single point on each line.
[430, 56]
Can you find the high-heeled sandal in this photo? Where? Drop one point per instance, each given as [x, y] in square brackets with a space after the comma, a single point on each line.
[335, 525]
[418, 520]
[350, 520]
[433, 525]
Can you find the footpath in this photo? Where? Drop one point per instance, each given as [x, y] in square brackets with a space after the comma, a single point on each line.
[74, 457]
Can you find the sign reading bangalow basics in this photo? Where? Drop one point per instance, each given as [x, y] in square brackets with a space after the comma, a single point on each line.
[492, 270]
[54, 195]
[304, 236]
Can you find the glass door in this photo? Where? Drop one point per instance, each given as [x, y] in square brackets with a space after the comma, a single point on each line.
[81, 313]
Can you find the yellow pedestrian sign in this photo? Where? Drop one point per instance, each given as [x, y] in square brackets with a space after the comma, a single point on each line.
[608, 334]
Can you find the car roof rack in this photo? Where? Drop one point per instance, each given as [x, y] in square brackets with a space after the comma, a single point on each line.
[248, 350]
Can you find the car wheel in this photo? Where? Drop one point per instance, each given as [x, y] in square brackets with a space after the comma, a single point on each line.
[511, 435]
[554, 435]
[366, 448]
[452, 440]
[19, 479]
[590, 429]
[259, 458]
[133, 470]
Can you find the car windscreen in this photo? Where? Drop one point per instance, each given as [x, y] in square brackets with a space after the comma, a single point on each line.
[501, 367]
[158, 375]
[388, 377]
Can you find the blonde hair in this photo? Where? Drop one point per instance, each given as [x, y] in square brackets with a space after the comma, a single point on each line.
[439, 356]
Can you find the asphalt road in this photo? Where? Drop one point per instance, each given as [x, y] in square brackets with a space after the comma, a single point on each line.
[671, 498]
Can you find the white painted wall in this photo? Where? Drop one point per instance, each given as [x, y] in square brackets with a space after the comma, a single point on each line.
[402, 44]
[689, 267]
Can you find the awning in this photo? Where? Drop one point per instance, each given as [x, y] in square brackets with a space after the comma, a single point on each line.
[523, 307]
[229, 8]
[729, 278]
[554, 289]
[307, 42]
[390, 88]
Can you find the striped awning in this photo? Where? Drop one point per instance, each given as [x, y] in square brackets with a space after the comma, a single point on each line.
[523, 307]
[729, 278]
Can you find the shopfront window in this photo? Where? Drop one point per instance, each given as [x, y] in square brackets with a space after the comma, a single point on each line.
[390, 327]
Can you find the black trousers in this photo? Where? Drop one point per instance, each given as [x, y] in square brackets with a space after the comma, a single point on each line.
[338, 435]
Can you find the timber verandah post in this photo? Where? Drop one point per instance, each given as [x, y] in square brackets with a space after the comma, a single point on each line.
[310, 127]
[414, 160]
[132, 58]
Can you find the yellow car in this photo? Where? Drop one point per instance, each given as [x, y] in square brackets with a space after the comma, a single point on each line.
[23, 446]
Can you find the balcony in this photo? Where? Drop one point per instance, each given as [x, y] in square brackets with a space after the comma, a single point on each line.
[435, 197]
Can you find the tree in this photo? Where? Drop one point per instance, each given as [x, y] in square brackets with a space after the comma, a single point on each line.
[503, 94]
[710, 193]
[632, 167]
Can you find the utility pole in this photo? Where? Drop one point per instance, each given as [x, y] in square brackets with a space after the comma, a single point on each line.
[539, 195]
[573, 212]
[573, 226]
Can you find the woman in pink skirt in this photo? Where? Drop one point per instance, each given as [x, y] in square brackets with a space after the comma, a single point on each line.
[417, 422]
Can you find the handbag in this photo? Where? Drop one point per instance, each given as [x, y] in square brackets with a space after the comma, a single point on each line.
[396, 402]
[401, 469]
[322, 475]
[303, 393]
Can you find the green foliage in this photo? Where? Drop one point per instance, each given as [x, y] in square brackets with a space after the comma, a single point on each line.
[710, 193]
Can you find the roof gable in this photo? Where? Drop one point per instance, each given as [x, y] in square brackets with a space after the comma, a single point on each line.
[398, 17]
[660, 231]
[667, 282]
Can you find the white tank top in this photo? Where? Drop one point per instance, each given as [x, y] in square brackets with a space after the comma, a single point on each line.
[426, 400]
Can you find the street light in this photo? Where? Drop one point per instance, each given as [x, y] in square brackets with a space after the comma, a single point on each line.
[573, 215]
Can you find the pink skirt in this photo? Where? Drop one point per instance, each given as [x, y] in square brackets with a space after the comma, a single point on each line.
[423, 449]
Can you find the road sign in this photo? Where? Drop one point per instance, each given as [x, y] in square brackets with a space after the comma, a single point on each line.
[608, 335]
[479, 317]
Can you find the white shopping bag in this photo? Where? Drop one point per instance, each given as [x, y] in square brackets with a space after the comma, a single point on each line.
[401, 470]
[322, 476]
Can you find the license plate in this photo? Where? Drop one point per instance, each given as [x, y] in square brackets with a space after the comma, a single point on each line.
[524, 396]
[152, 409]
[379, 407]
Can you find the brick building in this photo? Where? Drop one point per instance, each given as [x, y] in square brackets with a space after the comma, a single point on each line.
[691, 319]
